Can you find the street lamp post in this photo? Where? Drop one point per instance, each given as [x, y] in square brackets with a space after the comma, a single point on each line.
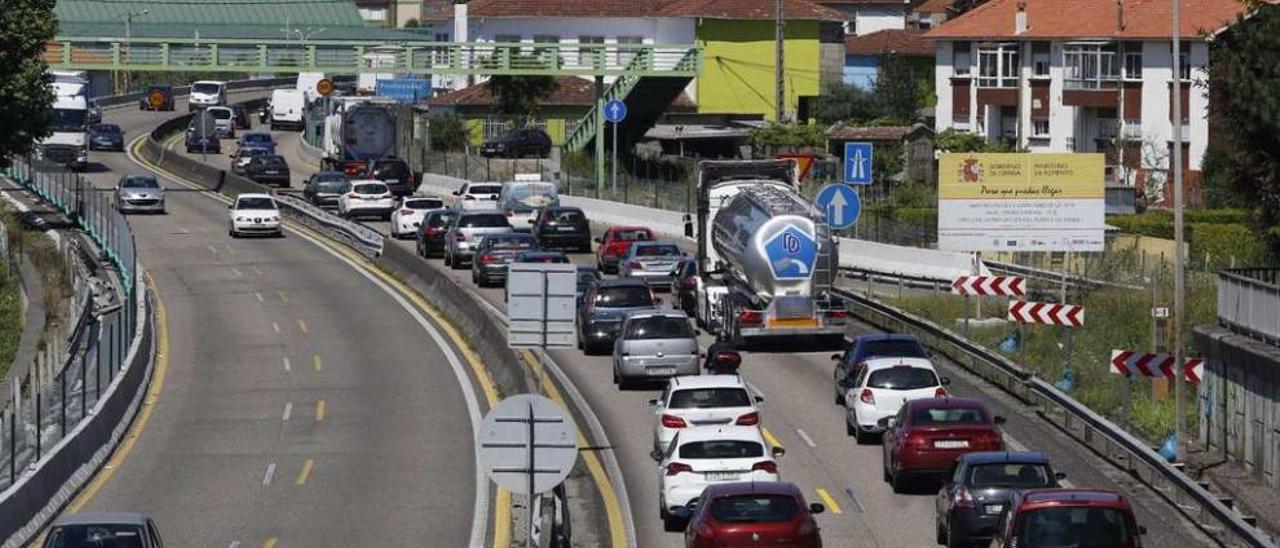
[1179, 266]
[128, 37]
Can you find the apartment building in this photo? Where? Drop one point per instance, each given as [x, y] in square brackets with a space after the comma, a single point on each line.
[1081, 76]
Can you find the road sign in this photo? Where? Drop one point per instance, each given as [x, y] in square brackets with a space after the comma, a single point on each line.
[1160, 312]
[841, 204]
[528, 444]
[1003, 286]
[615, 111]
[857, 163]
[1046, 313]
[404, 90]
[1129, 363]
[324, 87]
[541, 301]
[156, 98]
[791, 253]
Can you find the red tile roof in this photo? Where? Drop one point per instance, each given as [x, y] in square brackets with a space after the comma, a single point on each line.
[750, 9]
[570, 91]
[841, 132]
[1048, 19]
[900, 41]
[712, 9]
[934, 6]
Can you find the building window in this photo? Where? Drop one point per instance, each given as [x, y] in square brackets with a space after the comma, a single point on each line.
[1132, 61]
[998, 66]
[440, 54]
[1040, 59]
[961, 58]
[1184, 61]
[1089, 66]
[626, 55]
[585, 55]
[1040, 128]
[507, 38]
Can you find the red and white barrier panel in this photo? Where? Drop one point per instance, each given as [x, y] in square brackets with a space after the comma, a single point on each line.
[1002, 286]
[1069, 315]
[1129, 363]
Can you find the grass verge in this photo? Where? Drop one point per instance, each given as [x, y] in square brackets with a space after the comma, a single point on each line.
[54, 284]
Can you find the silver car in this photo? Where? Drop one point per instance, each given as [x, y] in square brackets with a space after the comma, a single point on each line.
[654, 344]
[467, 231]
[652, 262]
[139, 194]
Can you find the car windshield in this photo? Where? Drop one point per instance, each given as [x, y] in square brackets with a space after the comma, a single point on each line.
[722, 449]
[1015, 475]
[331, 186]
[106, 128]
[902, 378]
[948, 415]
[707, 398]
[755, 509]
[484, 190]
[657, 251]
[638, 235]
[525, 197]
[1075, 527]
[257, 138]
[370, 188]
[438, 220]
[256, 202]
[563, 217]
[424, 203]
[893, 348]
[487, 220]
[510, 242]
[624, 296]
[220, 113]
[273, 161]
[96, 536]
[659, 327]
[139, 182]
[390, 169]
[67, 119]
[204, 88]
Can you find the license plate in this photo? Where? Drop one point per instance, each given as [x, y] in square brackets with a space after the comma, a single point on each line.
[661, 370]
[994, 508]
[951, 444]
[794, 323]
[271, 172]
[722, 476]
[565, 229]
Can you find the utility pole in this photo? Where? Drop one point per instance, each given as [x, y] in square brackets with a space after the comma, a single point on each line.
[128, 37]
[780, 83]
[1179, 264]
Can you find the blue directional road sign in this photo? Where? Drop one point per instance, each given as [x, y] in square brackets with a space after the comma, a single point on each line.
[615, 111]
[791, 253]
[841, 204]
[857, 163]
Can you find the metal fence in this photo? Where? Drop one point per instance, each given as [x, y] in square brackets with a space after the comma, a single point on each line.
[1249, 301]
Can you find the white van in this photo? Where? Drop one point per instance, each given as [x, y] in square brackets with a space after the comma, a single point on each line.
[287, 107]
[207, 93]
[521, 200]
[306, 83]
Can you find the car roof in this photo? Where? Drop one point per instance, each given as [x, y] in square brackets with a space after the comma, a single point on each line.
[96, 518]
[689, 382]
[947, 402]
[871, 337]
[723, 432]
[998, 457]
[1081, 497]
[878, 363]
[623, 282]
[752, 488]
[629, 228]
[657, 312]
[253, 195]
[367, 181]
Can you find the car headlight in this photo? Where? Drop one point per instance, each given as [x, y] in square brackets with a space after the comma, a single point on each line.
[240, 219]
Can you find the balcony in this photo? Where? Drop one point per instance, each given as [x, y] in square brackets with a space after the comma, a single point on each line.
[1249, 302]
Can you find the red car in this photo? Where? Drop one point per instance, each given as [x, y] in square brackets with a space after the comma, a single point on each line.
[765, 513]
[1097, 518]
[926, 436]
[615, 244]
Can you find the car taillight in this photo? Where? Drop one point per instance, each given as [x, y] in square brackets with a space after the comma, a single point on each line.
[430, 231]
[488, 259]
[750, 419]
[460, 237]
[705, 532]
[837, 314]
[678, 467]
[962, 498]
[917, 440]
[635, 265]
[989, 440]
[765, 466]
[867, 396]
[750, 317]
[672, 421]
[940, 392]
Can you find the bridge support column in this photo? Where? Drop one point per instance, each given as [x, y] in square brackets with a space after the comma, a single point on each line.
[599, 122]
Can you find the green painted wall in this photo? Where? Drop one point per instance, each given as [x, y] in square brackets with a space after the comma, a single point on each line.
[738, 73]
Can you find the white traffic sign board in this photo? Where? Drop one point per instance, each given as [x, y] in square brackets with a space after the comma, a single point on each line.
[528, 444]
[541, 303]
[1069, 315]
[1005, 286]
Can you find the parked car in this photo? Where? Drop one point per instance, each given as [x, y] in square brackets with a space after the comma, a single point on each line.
[222, 121]
[240, 117]
[206, 142]
[467, 230]
[522, 200]
[752, 514]
[702, 400]
[1068, 517]
[587, 275]
[268, 169]
[885, 345]
[494, 253]
[396, 173]
[654, 344]
[700, 457]
[139, 193]
[254, 214]
[518, 144]
[652, 262]
[563, 228]
[431, 235]
[684, 283]
[616, 242]
[102, 529]
[555, 257]
[257, 139]
[927, 435]
[477, 196]
[157, 97]
[969, 505]
[879, 387]
[604, 307]
[106, 137]
[408, 214]
[324, 188]
[240, 159]
[366, 198]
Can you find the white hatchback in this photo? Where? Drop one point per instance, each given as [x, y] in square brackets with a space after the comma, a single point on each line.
[366, 198]
[703, 456]
[879, 386]
[477, 196]
[702, 400]
[408, 215]
[254, 214]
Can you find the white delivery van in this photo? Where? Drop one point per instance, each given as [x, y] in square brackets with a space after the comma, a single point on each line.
[306, 83]
[207, 93]
[287, 107]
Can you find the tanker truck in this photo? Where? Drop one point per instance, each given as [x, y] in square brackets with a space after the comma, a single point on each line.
[357, 131]
[765, 258]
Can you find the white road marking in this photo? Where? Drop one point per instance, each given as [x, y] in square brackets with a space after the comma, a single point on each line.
[185, 231]
[271, 472]
[804, 436]
[854, 498]
[259, 297]
[288, 411]
[237, 272]
[213, 250]
[276, 327]
[288, 366]
[753, 388]
[234, 544]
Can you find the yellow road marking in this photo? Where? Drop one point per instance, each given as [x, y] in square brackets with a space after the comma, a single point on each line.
[830, 502]
[302, 324]
[502, 527]
[144, 414]
[317, 363]
[283, 297]
[269, 543]
[320, 411]
[305, 472]
[768, 436]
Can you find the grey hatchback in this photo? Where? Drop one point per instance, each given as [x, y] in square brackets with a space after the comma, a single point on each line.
[95, 529]
[654, 344]
[603, 308]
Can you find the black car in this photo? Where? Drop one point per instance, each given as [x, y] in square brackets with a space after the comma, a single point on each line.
[969, 505]
[548, 257]
[604, 306]
[685, 285]
[106, 137]
[157, 97]
[435, 224]
[518, 144]
[239, 117]
[562, 228]
[324, 188]
[493, 255]
[268, 168]
[206, 142]
[397, 175]
[875, 345]
[587, 275]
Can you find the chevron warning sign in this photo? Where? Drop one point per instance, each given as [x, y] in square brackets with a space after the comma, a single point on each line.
[1069, 315]
[1129, 363]
[1007, 286]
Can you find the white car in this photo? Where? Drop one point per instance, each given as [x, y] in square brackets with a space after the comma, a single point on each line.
[699, 457]
[702, 400]
[207, 93]
[477, 196]
[254, 214]
[408, 215]
[366, 198]
[879, 386]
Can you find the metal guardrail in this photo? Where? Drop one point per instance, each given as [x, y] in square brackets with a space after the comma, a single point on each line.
[1249, 302]
[1089, 428]
[366, 240]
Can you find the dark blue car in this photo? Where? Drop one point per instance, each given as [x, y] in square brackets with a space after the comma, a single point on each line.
[877, 345]
[969, 505]
[257, 140]
[106, 137]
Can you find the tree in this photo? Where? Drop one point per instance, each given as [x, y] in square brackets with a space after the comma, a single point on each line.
[25, 97]
[842, 102]
[520, 95]
[897, 90]
[412, 23]
[788, 137]
[448, 132]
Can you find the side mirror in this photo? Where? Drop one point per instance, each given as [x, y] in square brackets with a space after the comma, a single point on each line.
[1142, 529]
[816, 508]
[683, 513]
[999, 420]
[759, 399]
[886, 422]
[455, 193]
[656, 455]
[655, 402]
[657, 302]
[1059, 476]
[778, 451]
[531, 221]
[597, 240]
[835, 357]
[945, 381]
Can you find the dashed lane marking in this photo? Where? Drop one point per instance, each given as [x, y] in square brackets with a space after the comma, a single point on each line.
[805, 436]
[258, 295]
[317, 363]
[304, 473]
[853, 497]
[302, 324]
[288, 365]
[270, 473]
[288, 411]
[320, 411]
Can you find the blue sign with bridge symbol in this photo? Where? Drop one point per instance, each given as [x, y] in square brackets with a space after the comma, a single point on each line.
[857, 163]
[792, 253]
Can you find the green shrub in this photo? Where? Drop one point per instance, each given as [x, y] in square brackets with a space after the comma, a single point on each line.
[1222, 245]
[1147, 224]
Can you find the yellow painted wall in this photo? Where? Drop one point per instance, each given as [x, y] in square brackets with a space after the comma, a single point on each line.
[555, 129]
[738, 71]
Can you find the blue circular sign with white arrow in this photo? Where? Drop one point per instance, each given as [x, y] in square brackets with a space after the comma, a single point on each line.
[841, 205]
[615, 111]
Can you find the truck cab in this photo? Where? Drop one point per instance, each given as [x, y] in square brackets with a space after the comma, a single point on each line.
[68, 144]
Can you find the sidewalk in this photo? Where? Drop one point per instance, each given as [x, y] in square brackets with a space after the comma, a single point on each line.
[1253, 497]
